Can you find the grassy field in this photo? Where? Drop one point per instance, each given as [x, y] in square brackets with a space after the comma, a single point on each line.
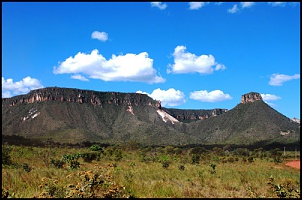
[134, 171]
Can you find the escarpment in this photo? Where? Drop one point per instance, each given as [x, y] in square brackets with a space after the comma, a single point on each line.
[82, 96]
[194, 115]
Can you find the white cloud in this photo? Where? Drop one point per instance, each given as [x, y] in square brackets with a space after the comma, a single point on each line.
[277, 3]
[234, 9]
[213, 96]
[278, 79]
[79, 77]
[269, 97]
[102, 36]
[247, 4]
[129, 67]
[220, 66]
[196, 5]
[160, 5]
[6, 94]
[170, 97]
[11, 88]
[185, 62]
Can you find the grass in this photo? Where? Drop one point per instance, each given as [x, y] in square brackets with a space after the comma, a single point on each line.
[145, 178]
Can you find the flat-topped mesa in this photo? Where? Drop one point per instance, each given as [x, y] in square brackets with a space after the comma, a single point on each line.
[83, 96]
[251, 97]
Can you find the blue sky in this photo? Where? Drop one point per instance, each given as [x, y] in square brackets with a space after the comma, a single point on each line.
[188, 55]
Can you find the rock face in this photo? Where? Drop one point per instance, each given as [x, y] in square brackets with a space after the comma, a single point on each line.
[101, 98]
[251, 97]
[194, 115]
[82, 96]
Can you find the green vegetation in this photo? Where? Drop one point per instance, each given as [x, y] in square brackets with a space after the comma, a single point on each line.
[71, 116]
[132, 170]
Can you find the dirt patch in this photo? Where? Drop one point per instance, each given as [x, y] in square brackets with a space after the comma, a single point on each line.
[294, 164]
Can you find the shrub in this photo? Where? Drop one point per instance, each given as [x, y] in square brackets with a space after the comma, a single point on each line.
[72, 160]
[50, 189]
[213, 168]
[250, 159]
[198, 150]
[165, 164]
[117, 155]
[57, 163]
[89, 157]
[195, 158]
[95, 184]
[231, 159]
[96, 147]
[287, 189]
[74, 164]
[132, 164]
[26, 167]
[6, 158]
[181, 167]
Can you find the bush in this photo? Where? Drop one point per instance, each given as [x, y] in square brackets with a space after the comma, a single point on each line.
[89, 157]
[181, 167]
[250, 159]
[165, 164]
[231, 159]
[6, 158]
[117, 154]
[96, 184]
[287, 189]
[26, 167]
[96, 147]
[72, 160]
[57, 163]
[74, 164]
[213, 168]
[195, 159]
[198, 150]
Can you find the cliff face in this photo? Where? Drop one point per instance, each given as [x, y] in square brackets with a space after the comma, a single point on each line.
[101, 98]
[251, 97]
[82, 96]
[194, 115]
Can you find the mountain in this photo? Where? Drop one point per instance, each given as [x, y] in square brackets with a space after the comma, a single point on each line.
[66, 115]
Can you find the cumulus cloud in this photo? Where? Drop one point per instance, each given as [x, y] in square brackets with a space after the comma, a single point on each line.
[11, 88]
[160, 5]
[243, 5]
[213, 96]
[185, 62]
[269, 97]
[170, 97]
[129, 67]
[196, 5]
[279, 79]
[247, 4]
[102, 36]
[234, 9]
[79, 77]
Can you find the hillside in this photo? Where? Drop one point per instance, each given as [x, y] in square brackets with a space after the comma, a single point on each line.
[66, 115]
[72, 116]
[247, 123]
